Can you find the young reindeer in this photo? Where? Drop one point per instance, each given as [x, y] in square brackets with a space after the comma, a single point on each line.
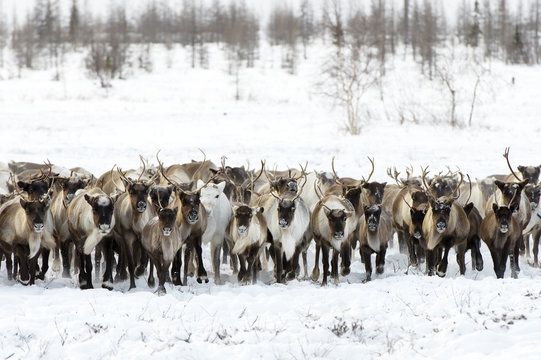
[91, 221]
[500, 231]
[445, 225]
[287, 220]
[333, 223]
[374, 233]
[24, 231]
[162, 239]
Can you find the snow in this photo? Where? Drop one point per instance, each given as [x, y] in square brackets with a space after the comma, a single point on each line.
[284, 119]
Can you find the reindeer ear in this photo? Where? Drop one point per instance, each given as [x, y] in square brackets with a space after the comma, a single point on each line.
[170, 189]
[23, 203]
[365, 185]
[261, 209]
[89, 199]
[326, 211]
[494, 207]
[499, 184]
[384, 184]
[468, 208]
[23, 185]
[521, 168]
[522, 184]
[221, 186]
[348, 213]
[114, 197]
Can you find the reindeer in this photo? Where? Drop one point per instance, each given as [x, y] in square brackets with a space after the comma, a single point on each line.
[132, 213]
[500, 231]
[192, 220]
[333, 223]
[59, 205]
[287, 220]
[91, 220]
[445, 225]
[162, 239]
[247, 235]
[24, 230]
[374, 233]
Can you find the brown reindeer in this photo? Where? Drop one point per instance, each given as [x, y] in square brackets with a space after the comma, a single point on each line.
[162, 239]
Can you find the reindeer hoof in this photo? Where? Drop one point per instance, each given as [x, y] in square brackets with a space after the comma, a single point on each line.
[380, 269]
[345, 271]
[23, 282]
[324, 283]
[479, 267]
[107, 285]
[315, 275]
[151, 283]
[290, 276]
[140, 271]
[56, 265]
[217, 281]
[160, 291]
[440, 273]
[514, 275]
[367, 279]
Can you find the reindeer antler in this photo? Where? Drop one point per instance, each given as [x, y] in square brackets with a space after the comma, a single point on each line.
[458, 187]
[144, 167]
[469, 195]
[371, 172]
[304, 183]
[319, 197]
[394, 176]
[123, 176]
[506, 156]
[336, 178]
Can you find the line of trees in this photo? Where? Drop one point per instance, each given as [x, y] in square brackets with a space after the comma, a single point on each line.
[417, 27]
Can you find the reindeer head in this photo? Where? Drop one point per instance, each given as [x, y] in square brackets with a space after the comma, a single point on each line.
[511, 192]
[167, 218]
[36, 213]
[337, 221]
[36, 189]
[102, 212]
[138, 189]
[190, 207]
[243, 217]
[503, 216]
[375, 191]
[210, 194]
[533, 193]
[371, 217]
[530, 173]
[417, 218]
[160, 196]
[70, 186]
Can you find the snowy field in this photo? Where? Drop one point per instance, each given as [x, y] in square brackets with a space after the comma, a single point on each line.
[283, 119]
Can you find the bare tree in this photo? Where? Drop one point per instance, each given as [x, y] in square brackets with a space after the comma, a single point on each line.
[350, 72]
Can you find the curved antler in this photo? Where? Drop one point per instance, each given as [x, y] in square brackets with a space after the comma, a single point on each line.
[162, 171]
[458, 187]
[336, 178]
[371, 172]
[506, 156]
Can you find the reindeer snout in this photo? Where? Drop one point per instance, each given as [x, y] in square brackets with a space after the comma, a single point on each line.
[193, 217]
[417, 235]
[167, 231]
[283, 223]
[242, 229]
[441, 226]
[292, 186]
[141, 206]
[69, 197]
[504, 228]
[339, 235]
[38, 227]
[104, 228]
[533, 205]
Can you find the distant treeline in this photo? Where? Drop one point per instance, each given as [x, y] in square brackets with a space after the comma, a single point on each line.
[416, 28]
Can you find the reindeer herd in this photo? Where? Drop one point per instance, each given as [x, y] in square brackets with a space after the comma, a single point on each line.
[160, 217]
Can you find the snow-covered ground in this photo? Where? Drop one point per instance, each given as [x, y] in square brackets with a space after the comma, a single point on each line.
[281, 118]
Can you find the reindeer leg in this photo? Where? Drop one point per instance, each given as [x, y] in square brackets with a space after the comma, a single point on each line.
[430, 262]
[64, 251]
[225, 248]
[21, 259]
[201, 272]
[380, 260]
[175, 268]
[9, 265]
[325, 259]
[527, 245]
[131, 266]
[88, 265]
[107, 248]
[366, 255]
[345, 253]
[403, 246]
[278, 262]
[334, 266]
[143, 260]
[315, 271]
[215, 250]
[187, 257]
[151, 282]
[33, 266]
[413, 261]
[442, 266]
[305, 263]
[56, 256]
[293, 266]
[97, 259]
[536, 236]
[242, 272]
[161, 270]
[83, 282]
[461, 258]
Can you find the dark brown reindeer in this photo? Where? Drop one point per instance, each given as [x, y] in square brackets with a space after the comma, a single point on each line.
[445, 225]
[374, 233]
[500, 231]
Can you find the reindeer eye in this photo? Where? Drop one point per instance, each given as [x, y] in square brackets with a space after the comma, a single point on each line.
[217, 196]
